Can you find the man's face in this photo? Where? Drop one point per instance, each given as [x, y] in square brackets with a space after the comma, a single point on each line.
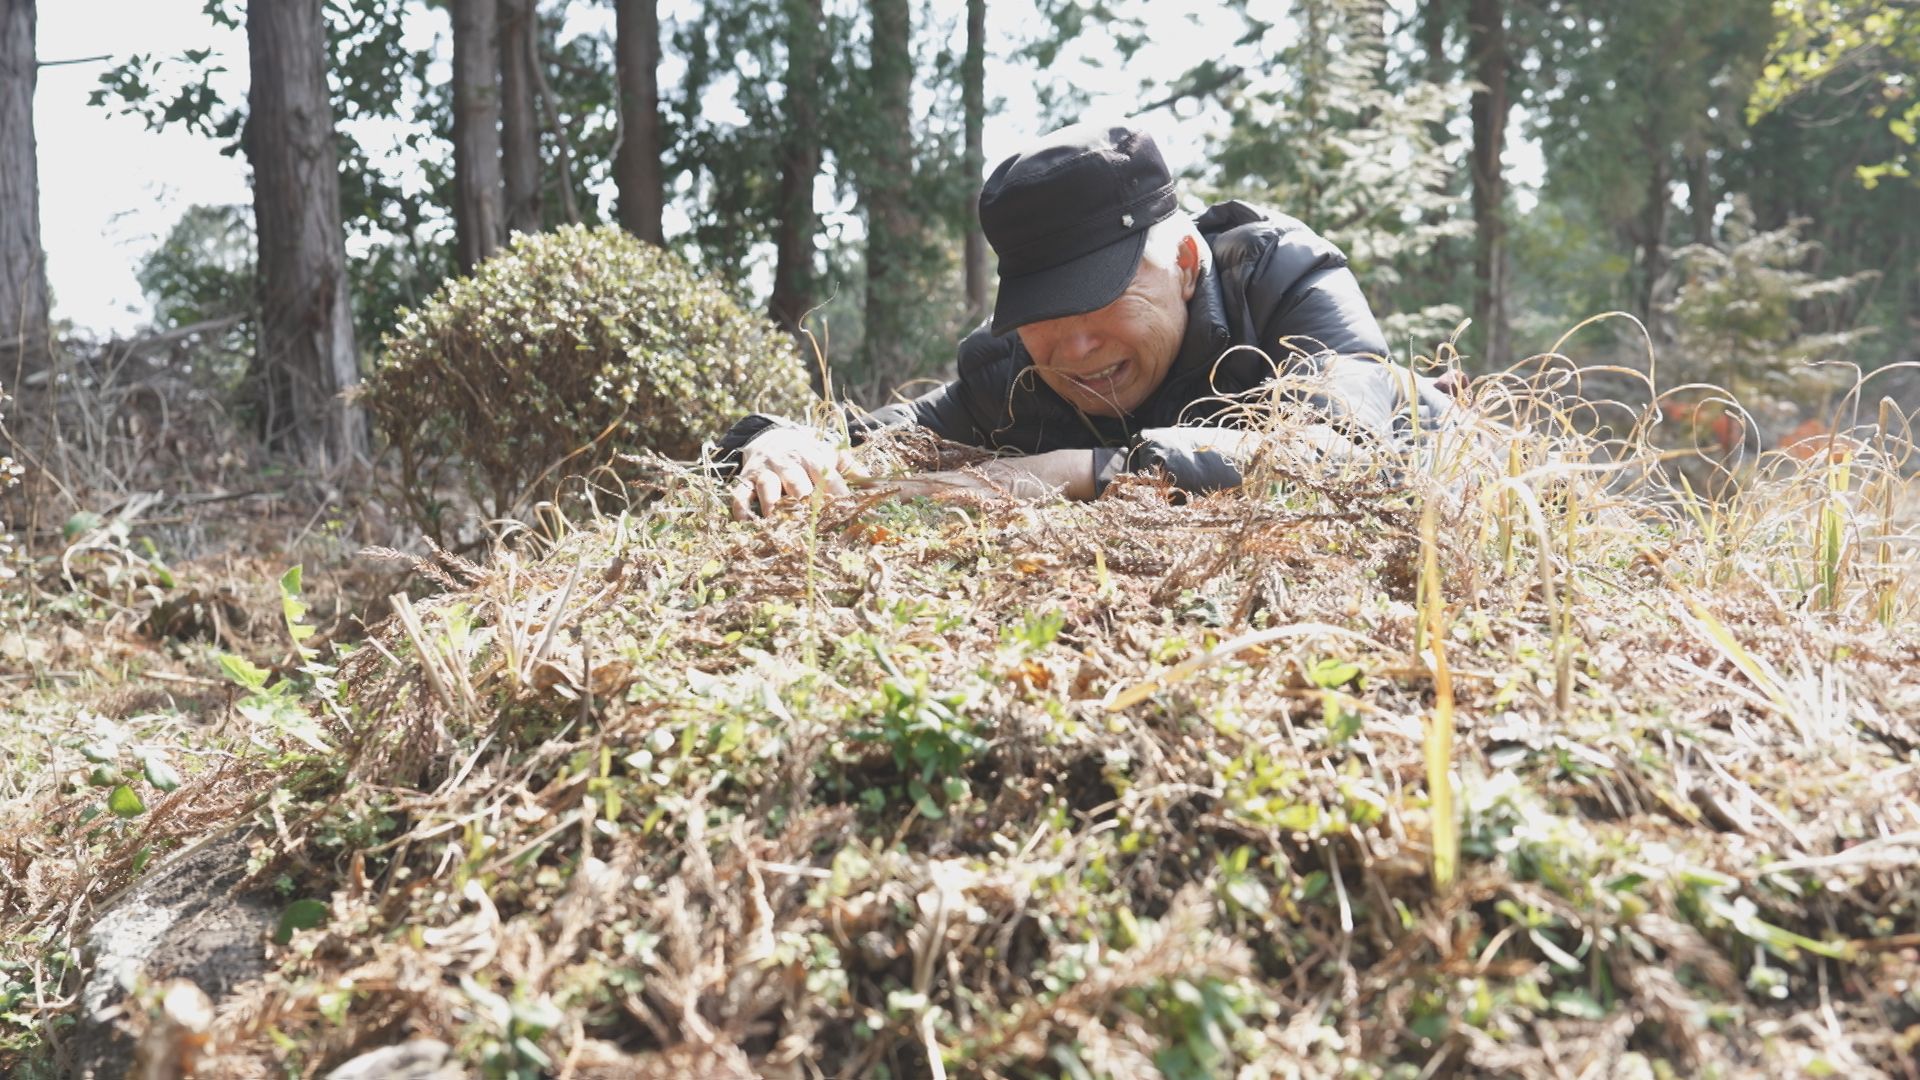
[1107, 362]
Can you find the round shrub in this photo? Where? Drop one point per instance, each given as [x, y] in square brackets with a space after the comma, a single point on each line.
[562, 351]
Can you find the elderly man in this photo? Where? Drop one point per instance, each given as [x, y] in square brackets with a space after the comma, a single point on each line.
[1122, 332]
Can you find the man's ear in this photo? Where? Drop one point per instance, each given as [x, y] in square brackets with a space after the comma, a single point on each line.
[1188, 260]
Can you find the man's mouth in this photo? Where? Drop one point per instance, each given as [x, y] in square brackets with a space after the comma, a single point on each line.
[1102, 379]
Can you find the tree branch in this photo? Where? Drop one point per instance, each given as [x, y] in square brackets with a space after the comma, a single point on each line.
[76, 60]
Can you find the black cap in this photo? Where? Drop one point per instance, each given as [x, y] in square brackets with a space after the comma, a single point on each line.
[1068, 217]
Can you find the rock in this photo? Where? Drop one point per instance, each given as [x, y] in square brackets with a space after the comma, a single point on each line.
[418, 1059]
[181, 921]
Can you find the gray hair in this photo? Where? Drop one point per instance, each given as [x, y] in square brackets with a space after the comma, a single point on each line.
[1163, 242]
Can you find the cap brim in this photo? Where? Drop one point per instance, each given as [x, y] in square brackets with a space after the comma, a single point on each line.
[1075, 287]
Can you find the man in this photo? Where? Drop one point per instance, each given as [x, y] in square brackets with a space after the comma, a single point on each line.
[1122, 334]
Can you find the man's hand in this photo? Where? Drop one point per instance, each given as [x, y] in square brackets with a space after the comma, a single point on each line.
[1064, 473]
[788, 463]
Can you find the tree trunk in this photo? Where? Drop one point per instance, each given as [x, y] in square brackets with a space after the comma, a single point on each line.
[478, 211]
[794, 230]
[1651, 232]
[1438, 69]
[23, 268]
[1433, 39]
[636, 168]
[557, 126]
[307, 354]
[1702, 201]
[519, 128]
[887, 194]
[1488, 58]
[973, 97]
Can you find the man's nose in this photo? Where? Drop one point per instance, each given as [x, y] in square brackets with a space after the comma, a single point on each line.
[1074, 343]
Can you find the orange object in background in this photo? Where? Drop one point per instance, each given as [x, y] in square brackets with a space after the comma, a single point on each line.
[1717, 424]
[1807, 441]
[1815, 439]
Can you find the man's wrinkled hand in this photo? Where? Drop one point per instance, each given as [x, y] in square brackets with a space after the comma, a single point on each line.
[787, 464]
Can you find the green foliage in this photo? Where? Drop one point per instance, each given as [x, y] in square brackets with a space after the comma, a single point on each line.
[1324, 135]
[732, 161]
[303, 914]
[117, 770]
[1630, 95]
[563, 350]
[204, 270]
[580, 71]
[1738, 310]
[1835, 58]
[1571, 265]
[275, 706]
[929, 732]
[284, 707]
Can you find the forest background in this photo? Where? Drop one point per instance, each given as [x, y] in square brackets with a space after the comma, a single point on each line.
[791, 147]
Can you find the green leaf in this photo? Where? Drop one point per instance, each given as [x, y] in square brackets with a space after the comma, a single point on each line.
[292, 607]
[1578, 1004]
[160, 774]
[537, 1017]
[101, 751]
[1331, 674]
[243, 671]
[530, 1050]
[304, 914]
[103, 776]
[296, 724]
[124, 803]
[83, 522]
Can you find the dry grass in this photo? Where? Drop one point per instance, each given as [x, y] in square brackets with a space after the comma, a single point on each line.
[1141, 787]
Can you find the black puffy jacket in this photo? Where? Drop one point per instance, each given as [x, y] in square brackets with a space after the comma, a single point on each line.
[1275, 285]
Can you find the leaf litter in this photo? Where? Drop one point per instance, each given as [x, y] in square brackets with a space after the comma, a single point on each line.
[1142, 787]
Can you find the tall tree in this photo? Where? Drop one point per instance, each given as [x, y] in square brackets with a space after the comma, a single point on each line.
[23, 275]
[887, 190]
[307, 353]
[636, 166]
[973, 97]
[1489, 60]
[519, 126]
[395, 202]
[478, 211]
[1320, 132]
[799, 160]
[1631, 88]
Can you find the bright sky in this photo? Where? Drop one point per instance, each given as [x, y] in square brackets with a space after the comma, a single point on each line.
[110, 189]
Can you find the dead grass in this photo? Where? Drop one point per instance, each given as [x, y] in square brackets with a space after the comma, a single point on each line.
[1133, 788]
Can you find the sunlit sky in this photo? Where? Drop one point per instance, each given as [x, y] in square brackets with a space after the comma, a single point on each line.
[110, 189]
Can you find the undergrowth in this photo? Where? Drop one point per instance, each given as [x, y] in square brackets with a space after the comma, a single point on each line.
[1518, 757]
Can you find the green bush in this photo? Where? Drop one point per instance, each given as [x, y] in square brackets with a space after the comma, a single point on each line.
[563, 351]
